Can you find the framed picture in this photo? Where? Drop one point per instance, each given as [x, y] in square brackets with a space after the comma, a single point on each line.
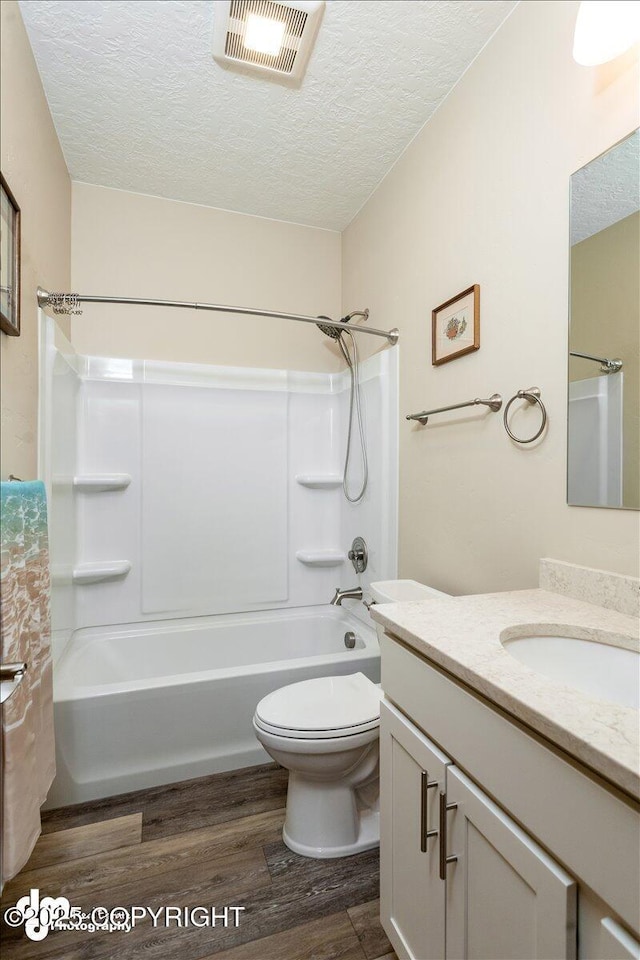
[9, 261]
[455, 326]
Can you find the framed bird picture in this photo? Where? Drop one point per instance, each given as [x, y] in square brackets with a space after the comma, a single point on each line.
[455, 326]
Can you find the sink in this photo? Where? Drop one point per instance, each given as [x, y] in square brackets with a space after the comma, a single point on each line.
[597, 669]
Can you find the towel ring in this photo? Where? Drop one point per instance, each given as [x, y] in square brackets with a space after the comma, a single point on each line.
[533, 396]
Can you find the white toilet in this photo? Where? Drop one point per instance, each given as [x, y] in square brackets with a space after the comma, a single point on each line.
[325, 732]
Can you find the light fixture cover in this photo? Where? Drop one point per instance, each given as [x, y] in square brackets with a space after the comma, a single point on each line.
[296, 21]
[605, 29]
[264, 35]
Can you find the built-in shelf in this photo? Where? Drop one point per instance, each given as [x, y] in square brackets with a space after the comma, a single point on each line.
[320, 481]
[321, 558]
[99, 572]
[101, 482]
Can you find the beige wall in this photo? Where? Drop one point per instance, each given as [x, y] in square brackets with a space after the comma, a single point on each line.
[482, 196]
[130, 244]
[605, 322]
[34, 168]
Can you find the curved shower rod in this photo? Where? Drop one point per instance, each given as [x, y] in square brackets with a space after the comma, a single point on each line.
[606, 365]
[68, 303]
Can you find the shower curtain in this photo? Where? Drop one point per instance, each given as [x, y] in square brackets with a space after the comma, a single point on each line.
[27, 716]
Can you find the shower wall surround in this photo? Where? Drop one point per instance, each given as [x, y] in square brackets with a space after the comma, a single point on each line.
[234, 502]
[58, 404]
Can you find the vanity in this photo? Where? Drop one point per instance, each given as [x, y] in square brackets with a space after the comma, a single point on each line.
[510, 823]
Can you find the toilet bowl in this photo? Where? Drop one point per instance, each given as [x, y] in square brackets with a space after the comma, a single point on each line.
[325, 733]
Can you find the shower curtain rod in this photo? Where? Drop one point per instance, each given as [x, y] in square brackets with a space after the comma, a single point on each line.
[606, 366]
[68, 302]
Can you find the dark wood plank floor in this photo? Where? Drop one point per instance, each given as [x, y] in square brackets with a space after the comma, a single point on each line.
[211, 842]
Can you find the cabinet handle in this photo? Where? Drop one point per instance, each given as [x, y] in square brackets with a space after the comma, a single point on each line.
[425, 833]
[444, 859]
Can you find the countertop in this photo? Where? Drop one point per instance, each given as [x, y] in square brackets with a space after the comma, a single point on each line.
[462, 635]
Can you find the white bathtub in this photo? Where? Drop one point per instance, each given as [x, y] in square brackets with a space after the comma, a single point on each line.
[155, 703]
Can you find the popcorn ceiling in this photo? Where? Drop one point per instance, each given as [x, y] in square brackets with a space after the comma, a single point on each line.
[139, 104]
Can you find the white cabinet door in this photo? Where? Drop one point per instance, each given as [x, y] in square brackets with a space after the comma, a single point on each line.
[412, 774]
[616, 943]
[506, 898]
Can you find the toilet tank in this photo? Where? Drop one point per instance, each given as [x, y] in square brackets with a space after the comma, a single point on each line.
[399, 591]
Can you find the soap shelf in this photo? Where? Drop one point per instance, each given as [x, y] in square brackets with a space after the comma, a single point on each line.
[319, 481]
[321, 558]
[100, 572]
[101, 482]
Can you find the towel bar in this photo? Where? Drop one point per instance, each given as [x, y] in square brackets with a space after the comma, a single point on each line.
[494, 402]
[12, 671]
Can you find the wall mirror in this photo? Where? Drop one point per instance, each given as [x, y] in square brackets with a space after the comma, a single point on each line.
[603, 457]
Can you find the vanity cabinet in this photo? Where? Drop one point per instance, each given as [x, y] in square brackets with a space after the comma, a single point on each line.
[412, 896]
[505, 896]
[543, 857]
[616, 943]
[458, 877]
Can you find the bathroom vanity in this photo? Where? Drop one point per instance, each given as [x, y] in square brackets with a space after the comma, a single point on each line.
[510, 824]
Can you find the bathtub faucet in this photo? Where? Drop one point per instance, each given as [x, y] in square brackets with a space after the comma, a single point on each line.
[354, 594]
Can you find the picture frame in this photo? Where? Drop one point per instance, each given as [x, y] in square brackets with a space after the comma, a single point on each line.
[9, 261]
[455, 326]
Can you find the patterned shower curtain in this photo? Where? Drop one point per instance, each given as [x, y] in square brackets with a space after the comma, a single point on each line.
[27, 716]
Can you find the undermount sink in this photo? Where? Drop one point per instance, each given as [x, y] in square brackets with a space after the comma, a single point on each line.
[597, 669]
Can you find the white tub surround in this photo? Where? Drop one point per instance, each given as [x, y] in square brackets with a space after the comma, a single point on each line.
[462, 635]
[146, 704]
[200, 490]
[60, 386]
[199, 532]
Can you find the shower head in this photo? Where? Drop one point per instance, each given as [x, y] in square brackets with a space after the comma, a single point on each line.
[335, 332]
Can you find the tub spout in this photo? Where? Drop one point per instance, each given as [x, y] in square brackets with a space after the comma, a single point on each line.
[355, 593]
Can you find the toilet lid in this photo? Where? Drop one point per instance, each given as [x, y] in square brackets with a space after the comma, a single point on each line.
[322, 704]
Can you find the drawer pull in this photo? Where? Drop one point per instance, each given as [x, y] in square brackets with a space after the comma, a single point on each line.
[425, 833]
[444, 859]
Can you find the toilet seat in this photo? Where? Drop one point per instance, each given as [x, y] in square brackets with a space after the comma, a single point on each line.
[323, 708]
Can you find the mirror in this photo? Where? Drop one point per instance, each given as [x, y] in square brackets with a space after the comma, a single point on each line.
[603, 459]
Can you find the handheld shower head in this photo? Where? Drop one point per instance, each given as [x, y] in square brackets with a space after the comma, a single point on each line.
[334, 332]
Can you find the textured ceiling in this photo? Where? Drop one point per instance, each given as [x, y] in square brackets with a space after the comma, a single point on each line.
[139, 103]
[606, 190]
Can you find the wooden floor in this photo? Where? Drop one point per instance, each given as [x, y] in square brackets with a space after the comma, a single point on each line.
[215, 841]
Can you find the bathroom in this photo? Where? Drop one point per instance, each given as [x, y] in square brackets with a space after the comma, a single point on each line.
[193, 464]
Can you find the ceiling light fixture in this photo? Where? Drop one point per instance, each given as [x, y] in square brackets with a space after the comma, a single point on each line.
[605, 29]
[264, 35]
[271, 37]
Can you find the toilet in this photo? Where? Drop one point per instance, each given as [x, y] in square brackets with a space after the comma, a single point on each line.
[325, 733]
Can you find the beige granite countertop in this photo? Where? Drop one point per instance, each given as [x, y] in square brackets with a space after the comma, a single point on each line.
[462, 635]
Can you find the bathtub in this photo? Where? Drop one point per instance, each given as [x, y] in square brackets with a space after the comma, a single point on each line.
[155, 703]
